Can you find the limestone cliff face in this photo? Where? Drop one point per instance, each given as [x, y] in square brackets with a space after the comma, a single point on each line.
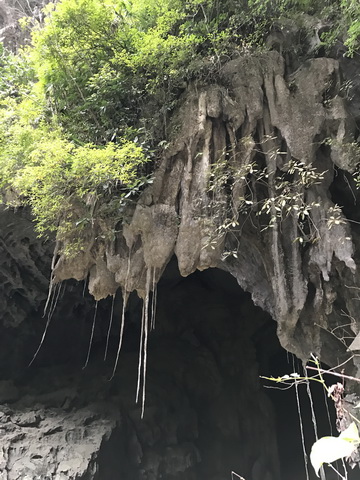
[258, 111]
[205, 414]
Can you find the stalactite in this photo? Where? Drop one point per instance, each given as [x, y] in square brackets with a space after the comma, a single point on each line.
[174, 215]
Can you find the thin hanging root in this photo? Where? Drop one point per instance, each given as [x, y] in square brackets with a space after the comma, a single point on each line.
[146, 335]
[328, 411]
[125, 300]
[51, 282]
[48, 299]
[153, 300]
[121, 335]
[313, 416]
[50, 306]
[110, 325]
[302, 431]
[154, 307]
[55, 254]
[41, 341]
[140, 354]
[50, 314]
[142, 366]
[84, 287]
[55, 302]
[63, 291]
[91, 337]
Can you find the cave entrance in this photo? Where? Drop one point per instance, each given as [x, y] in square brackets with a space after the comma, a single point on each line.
[225, 343]
[207, 411]
[296, 410]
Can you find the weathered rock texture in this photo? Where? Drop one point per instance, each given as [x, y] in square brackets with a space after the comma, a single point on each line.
[256, 113]
[205, 412]
[24, 267]
[44, 442]
[12, 35]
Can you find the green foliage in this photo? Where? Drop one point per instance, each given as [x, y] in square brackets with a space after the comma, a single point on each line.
[86, 105]
[16, 74]
[351, 15]
[331, 449]
[100, 63]
[67, 186]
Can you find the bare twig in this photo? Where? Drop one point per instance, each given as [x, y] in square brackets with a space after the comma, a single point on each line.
[341, 375]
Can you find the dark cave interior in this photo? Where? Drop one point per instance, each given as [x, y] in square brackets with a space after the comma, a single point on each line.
[207, 411]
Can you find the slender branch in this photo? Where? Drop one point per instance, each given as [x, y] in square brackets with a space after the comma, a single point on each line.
[341, 375]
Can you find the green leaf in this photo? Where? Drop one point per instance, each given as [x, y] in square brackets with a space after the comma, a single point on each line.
[330, 449]
[351, 434]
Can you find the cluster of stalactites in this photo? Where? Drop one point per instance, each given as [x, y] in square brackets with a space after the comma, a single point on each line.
[262, 110]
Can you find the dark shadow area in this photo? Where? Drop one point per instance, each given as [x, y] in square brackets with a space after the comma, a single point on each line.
[297, 409]
[207, 412]
[344, 192]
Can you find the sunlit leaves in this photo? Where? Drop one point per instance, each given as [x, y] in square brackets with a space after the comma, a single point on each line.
[101, 78]
[54, 175]
[351, 13]
[330, 449]
[16, 74]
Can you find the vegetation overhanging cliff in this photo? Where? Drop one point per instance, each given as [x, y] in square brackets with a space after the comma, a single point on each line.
[215, 131]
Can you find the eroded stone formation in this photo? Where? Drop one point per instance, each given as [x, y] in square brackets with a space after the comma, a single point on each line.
[205, 413]
[257, 110]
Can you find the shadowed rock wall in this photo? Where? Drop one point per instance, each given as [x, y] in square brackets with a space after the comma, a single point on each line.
[205, 413]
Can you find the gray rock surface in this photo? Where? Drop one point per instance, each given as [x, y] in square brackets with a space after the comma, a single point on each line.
[49, 443]
[255, 112]
[205, 411]
[12, 35]
[24, 267]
